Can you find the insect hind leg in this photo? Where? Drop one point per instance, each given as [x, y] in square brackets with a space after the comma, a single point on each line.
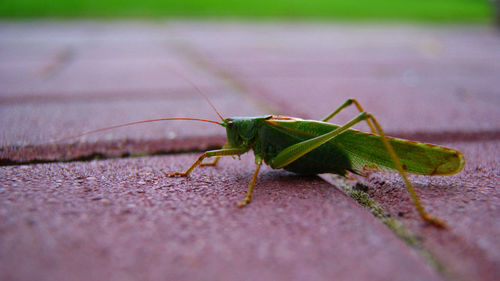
[425, 216]
[293, 152]
[346, 104]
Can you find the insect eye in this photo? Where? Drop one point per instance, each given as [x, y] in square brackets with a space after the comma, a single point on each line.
[229, 124]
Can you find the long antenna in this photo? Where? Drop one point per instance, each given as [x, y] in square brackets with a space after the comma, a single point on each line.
[135, 123]
[197, 89]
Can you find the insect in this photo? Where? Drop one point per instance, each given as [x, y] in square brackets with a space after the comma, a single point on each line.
[314, 147]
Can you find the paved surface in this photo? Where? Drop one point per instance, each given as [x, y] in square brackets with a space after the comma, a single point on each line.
[121, 219]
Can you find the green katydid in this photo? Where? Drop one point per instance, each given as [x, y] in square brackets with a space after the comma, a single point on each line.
[314, 147]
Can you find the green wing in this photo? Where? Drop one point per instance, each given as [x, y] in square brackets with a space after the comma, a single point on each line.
[367, 151]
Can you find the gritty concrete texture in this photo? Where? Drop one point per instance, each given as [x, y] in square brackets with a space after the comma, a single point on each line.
[468, 201]
[443, 79]
[124, 219]
[63, 80]
[121, 219]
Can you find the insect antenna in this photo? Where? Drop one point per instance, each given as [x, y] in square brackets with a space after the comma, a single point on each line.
[198, 90]
[134, 123]
[159, 119]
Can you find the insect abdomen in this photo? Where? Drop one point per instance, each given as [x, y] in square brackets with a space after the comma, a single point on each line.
[325, 159]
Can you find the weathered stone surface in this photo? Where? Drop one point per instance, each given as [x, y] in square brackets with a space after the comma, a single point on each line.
[122, 219]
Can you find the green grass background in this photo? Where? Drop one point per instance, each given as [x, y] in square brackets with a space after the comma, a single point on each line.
[418, 10]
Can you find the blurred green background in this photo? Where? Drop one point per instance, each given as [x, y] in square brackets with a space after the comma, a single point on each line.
[407, 10]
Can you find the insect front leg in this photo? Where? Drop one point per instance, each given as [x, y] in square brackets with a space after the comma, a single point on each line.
[211, 153]
[216, 160]
[346, 104]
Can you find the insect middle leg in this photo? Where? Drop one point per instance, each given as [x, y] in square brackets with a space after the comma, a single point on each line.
[248, 198]
[346, 104]
[218, 154]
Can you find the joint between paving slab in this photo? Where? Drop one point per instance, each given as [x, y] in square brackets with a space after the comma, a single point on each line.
[83, 152]
[192, 54]
[62, 59]
[110, 96]
[272, 106]
[357, 193]
[360, 196]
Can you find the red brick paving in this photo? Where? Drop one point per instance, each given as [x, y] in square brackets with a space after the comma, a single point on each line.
[411, 73]
[118, 219]
[121, 219]
[468, 201]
